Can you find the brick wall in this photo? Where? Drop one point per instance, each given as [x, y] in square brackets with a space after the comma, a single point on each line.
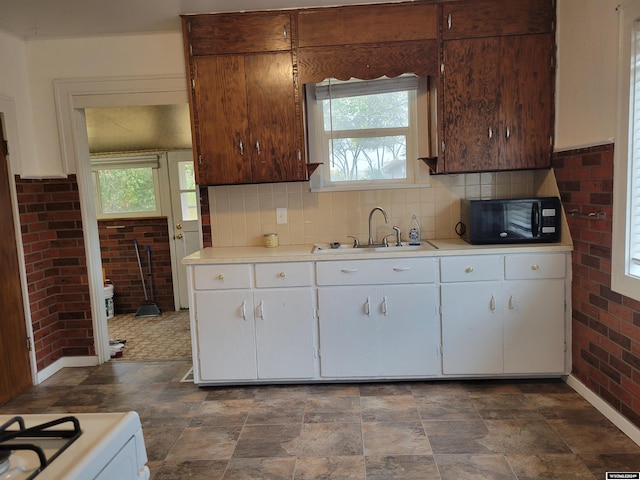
[55, 260]
[121, 265]
[606, 325]
[205, 217]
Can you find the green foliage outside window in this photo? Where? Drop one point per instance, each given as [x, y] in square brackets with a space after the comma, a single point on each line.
[127, 190]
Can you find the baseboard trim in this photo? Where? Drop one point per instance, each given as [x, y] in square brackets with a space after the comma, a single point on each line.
[628, 428]
[63, 362]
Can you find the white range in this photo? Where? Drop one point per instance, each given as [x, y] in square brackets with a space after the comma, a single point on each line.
[83, 446]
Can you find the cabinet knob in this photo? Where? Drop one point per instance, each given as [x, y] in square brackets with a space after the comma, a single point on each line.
[468, 269]
[282, 274]
[535, 267]
[221, 276]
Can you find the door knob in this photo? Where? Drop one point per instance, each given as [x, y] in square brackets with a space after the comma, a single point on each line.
[179, 236]
[179, 226]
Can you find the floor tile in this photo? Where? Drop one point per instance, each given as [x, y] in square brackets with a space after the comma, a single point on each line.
[260, 468]
[258, 441]
[190, 469]
[549, 466]
[584, 436]
[276, 411]
[330, 468]
[476, 467]
[600, 464]
[401, 467]
[333, 409]
[395, 439]
[389, 408]
[446, 406]
[330, 439]
[205, 443]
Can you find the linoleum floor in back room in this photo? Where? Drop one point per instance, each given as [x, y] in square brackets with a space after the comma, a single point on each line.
[408, 430]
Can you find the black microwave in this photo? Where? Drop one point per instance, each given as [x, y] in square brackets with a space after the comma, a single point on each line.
[515, 220]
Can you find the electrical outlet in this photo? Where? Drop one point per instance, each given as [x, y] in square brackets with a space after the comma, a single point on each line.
[281, 215]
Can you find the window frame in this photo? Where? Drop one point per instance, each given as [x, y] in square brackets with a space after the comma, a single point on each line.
[100, 163]
[623, 280]
[417, 173]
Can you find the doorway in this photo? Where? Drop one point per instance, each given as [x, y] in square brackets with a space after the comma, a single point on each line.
[145, 198]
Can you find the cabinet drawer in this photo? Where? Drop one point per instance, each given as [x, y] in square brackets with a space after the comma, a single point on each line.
[524, 267]
[237, 33]
[283, 275]
[471, 268]
[376, 272]
[217, 277]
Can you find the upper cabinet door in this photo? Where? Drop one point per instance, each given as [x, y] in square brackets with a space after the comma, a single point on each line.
[274, 133]
[471, 112]
[491, 18]
[526, 126]
[237, 33]
[221, 125]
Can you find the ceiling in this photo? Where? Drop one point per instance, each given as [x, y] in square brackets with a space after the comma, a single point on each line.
[126, 129]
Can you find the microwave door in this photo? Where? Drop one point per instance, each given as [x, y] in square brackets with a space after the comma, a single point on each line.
[519, 222]
[535, 220]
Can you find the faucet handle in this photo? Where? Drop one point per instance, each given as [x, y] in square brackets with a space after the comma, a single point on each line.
[398, 241]
[356, 242]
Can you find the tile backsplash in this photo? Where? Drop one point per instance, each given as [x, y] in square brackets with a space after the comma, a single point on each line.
[242, 214]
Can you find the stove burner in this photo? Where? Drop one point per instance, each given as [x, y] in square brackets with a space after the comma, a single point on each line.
[4, 461]
[9, 436]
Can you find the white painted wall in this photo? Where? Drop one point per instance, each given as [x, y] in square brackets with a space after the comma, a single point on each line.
[14, 88]
[587, 38]
[585, 94]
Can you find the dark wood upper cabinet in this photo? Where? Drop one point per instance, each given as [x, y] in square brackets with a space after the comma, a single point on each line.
[496, 91]
[367, 41]
[494, 61]
[493, 18]
[244, 99]
[238, 33]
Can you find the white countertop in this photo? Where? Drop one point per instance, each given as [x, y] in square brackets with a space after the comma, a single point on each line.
[300, 253]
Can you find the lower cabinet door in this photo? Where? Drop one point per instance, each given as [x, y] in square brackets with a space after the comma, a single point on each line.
[472, 328]
[285, 339]
[225, 335]
[348, 332]
[409, 330]
[534, 327]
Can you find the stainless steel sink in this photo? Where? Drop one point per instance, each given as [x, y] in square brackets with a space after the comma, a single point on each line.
[327, 249]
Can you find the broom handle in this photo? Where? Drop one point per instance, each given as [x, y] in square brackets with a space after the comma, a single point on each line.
[150, 276]
[144, 286]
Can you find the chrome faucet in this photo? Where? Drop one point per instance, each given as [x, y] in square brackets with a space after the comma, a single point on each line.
[386, 220]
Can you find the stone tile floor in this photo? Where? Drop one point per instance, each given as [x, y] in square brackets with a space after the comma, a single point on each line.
[407, 430]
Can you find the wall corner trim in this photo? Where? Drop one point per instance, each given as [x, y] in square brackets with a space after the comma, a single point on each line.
[628, 428]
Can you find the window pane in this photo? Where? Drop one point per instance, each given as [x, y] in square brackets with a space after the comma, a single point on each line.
[187, 176]
[382, 110]
[370, 158]
[127, 190]
[189, 206]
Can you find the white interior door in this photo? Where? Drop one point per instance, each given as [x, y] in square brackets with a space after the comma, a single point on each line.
[185, 208]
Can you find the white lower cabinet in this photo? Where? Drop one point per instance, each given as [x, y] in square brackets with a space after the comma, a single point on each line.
[504, 314]
[378, 330]
[255, 333]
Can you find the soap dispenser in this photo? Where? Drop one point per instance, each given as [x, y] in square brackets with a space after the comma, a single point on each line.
[414, 231]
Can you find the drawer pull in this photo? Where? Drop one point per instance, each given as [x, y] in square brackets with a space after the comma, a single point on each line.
[512, 302]
[468, 269]
[282, 274]
[401, 269]
[261, 309]
[221, 276]
[367, 307]
[349, 270]
[535, 267]
[492, 304]
[243, 310]
[384, 306]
